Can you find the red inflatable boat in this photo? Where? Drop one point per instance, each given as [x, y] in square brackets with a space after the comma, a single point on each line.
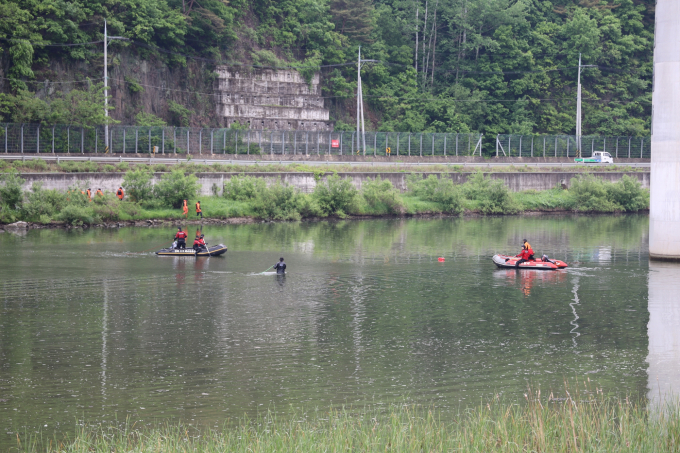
[507, 262]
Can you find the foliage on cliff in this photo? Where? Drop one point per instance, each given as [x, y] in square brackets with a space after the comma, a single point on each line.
[501, 66]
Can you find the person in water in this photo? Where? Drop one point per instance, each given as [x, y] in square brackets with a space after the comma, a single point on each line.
[181, 238]
[280, 267]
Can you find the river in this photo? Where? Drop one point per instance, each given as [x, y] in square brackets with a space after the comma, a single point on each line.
[95, 327]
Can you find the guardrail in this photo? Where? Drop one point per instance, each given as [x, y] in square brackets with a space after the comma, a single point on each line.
[205, 160]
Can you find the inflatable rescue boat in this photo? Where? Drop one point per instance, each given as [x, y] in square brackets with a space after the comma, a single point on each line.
[507, 262]
[214, 250]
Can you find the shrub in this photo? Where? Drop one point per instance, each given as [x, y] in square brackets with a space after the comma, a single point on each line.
[590, 194]
[77, 215]
[629, 194]
[174, 187]
[42, 203]
[307, 205]
[109, 168]
[441, 191]
[160, 168]
[11, 193]
[491, 195]
[335, 196]
[138, 183]
[278, 202]
[242, 188]
[123, 166]
[382, 197]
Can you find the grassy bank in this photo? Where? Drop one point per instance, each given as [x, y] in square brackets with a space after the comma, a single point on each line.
[41, 166]
[247, 196]
[542, 423]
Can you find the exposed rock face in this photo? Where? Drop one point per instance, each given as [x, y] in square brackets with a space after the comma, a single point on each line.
[270, 100]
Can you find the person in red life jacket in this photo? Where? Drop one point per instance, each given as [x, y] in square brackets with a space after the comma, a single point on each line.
[199, 243]
[181, 238]
[523, 256]
[120, 194]
[198, 209]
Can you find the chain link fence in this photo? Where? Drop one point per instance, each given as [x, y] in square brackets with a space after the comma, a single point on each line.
[36, 138]
[567, 146]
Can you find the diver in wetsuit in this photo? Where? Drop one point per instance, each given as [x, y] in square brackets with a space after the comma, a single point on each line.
[280, 267]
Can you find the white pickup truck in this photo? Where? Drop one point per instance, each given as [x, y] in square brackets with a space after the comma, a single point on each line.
[599, 157]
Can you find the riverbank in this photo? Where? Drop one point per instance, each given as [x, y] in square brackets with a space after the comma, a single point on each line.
[566, 423]
[247, 197]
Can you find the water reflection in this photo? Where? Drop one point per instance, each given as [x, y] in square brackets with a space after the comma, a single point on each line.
[664, 331]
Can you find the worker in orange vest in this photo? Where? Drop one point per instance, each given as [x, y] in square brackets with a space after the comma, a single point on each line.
[89, 194]
[120, 194]
[185, 209]
[99, 193]
[198, 209]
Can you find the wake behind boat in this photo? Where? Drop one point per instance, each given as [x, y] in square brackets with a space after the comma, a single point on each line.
[214, 250]
[508, 262]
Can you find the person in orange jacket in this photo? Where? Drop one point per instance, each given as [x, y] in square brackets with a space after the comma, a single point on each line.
[89, 194]
[99, 193]
[185, 209]
[198, 209]
[120, 194]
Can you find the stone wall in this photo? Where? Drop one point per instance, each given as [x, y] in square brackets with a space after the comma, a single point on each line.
[268, 99]
[306, 182]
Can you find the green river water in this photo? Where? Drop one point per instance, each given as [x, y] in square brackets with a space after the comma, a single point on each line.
[93, 330]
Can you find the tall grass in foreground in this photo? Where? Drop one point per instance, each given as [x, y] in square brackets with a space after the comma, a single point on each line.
[582, 423]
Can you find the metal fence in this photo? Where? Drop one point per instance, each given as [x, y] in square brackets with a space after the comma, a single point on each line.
[36, 138]
[566, 146]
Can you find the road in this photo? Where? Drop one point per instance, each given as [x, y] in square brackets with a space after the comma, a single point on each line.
[200, 160]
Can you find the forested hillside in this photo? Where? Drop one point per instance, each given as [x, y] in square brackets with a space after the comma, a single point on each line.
[494, 66]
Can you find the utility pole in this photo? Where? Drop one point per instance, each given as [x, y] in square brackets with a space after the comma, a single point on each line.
[106, 84]
[106, 92]
[358, 95]
[579, 116]
[578, 109]
[360, 104]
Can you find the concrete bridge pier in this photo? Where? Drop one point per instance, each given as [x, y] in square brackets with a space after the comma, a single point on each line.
[664, 216]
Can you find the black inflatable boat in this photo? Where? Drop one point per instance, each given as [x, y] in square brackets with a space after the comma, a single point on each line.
[215, 250]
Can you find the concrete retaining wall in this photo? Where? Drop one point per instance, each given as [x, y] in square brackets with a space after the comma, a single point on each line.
[305, 182]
